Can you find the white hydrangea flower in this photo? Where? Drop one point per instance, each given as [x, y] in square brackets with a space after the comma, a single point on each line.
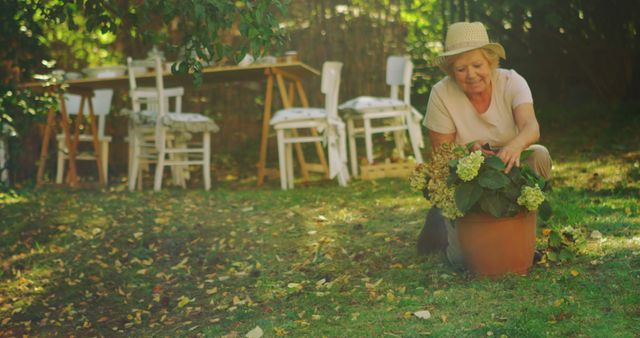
[531, 197]
[469, 165]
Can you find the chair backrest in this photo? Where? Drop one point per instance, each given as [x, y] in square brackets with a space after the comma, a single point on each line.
[330, 86]
[144, 96]
[399, 73]
[101, 102]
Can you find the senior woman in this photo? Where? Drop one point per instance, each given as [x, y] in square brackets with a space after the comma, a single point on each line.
[481, 103]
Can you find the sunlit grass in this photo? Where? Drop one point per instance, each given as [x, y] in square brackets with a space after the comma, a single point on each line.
[319, 260]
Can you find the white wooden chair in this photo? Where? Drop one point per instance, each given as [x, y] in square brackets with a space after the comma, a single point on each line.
[331, 129]
[162, 137]
[101, 107]
[397, 115]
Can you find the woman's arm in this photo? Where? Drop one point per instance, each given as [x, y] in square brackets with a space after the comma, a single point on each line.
[438, 138]
[528, 133]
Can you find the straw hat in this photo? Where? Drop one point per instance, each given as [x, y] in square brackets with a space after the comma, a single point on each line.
[465, 36]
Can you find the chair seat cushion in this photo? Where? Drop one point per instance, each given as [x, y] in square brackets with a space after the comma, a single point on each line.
[364, 104]
[185, 122]
[84, 137]
[297, 114]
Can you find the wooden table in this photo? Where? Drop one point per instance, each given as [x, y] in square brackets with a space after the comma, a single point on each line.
[287, 76]
[70, 140]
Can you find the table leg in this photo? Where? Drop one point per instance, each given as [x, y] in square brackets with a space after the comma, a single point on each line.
[45, 146]
[96, 145]
[72, 151]
[266, 117]
[314, 132]
[287, 101]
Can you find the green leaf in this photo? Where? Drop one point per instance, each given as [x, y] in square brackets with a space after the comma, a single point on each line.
[466, 195]
[565, 254]
[555, 240]
[492, 179]
[516, 176]
[524, 154]
[495, 162]
[494, 204]
[552, 256]
[512, 191]
[545, 210]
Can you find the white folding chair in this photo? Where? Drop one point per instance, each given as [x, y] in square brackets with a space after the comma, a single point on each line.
[101, 107]
[331, 129]
[393, 115]
[162, 137]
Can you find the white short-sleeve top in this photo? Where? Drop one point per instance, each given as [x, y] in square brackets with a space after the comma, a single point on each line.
[450, 111]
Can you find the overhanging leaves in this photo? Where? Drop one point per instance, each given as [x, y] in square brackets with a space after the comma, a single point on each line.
[466, 195]
[495, 162]
[545, 210]
[494, 204]
[493, 179]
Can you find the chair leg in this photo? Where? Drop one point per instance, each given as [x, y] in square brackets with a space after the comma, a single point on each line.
[157, 182]
[60, 171]
[415, 145]
[282, 160]
[134, 171]
[206, 167]
[353, 152]
[105, 160]
[139, 180]
[161, 145]
[398, 137]
[368, 139]
[131, 138]
[289, 160]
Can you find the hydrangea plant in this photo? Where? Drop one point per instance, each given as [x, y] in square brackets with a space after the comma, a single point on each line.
[460, 181]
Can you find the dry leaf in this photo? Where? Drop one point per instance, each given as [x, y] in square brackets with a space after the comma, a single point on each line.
[575, 273]
[255, 333]
[295, 286]
[182, 301]
[424, 314]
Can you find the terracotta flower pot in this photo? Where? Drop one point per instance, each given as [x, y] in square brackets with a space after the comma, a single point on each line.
[494, 246]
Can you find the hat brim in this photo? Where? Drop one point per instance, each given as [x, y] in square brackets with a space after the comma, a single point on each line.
[496, 47]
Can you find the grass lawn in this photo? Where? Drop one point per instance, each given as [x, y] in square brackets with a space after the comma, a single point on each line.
[319, 260]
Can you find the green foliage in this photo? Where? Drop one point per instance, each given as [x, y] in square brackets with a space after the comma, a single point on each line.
[191, 28]
[571, 37]
[492, 190]
[561, 245]
[200, 23]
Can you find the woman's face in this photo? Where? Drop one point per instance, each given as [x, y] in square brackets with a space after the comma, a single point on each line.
[472, 72]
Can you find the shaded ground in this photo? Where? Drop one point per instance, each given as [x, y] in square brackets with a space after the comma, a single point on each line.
[320, 260]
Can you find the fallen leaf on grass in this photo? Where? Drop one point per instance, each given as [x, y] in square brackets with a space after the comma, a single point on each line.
[181, 265]
[424, 314]
[575, 273]
[295, 286]
[255, 333]
[280, 332]
[595, 234]
[182, 301]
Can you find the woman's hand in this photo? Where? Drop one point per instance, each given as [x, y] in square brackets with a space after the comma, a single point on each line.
[483, 146]
[510, 155]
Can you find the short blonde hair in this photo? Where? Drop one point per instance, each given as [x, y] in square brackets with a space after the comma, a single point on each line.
[490, 55]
